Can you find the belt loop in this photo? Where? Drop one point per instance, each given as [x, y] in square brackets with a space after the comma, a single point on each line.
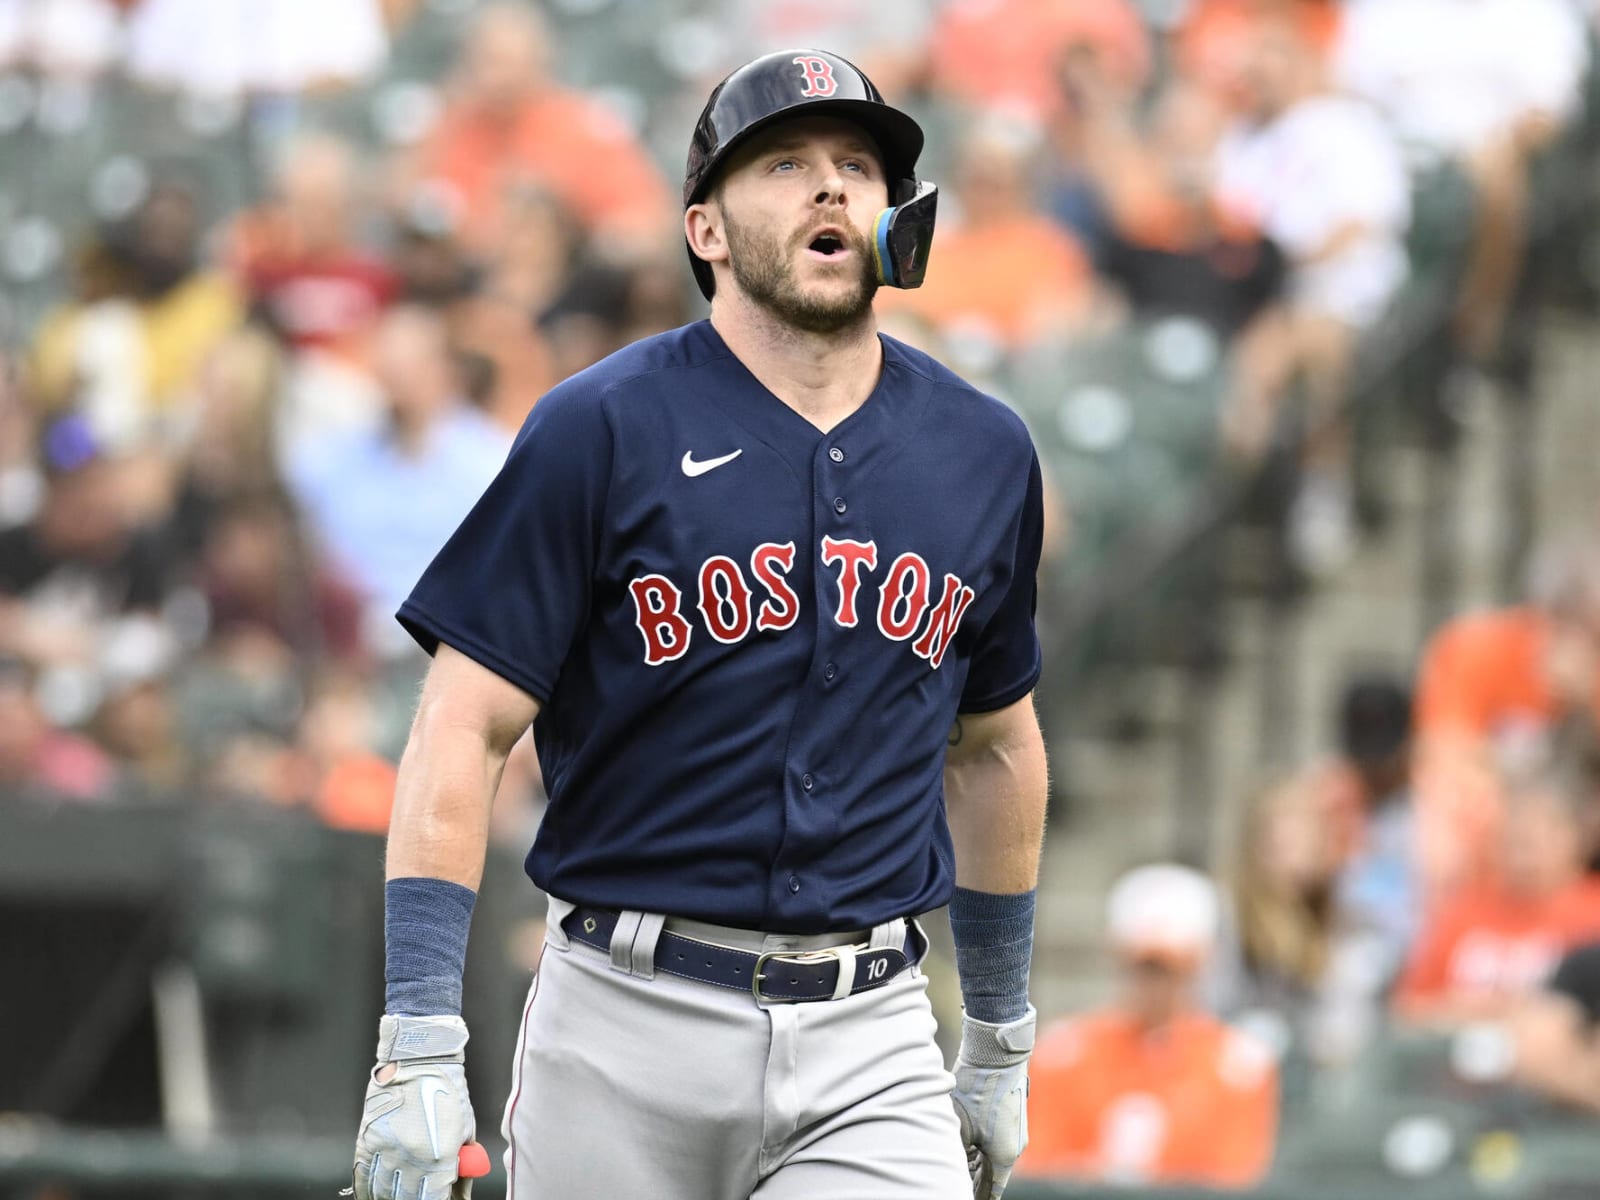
[557, 911]
[622, 937]
[891, 935]
[633, 943]
[847, 972]
[644, 945]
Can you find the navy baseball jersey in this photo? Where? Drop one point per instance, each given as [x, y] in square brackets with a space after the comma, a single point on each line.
[748, 638]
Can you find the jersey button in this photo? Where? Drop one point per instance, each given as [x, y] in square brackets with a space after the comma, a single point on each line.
[794, 883]
[836, 454]
[807, 782]
[839, 505]
[829, 671]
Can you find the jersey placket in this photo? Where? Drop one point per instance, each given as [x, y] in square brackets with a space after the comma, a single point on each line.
[797, 887]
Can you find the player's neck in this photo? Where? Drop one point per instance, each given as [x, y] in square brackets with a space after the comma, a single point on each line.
[823, 377]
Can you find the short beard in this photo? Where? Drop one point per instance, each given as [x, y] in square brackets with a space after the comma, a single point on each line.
[767, 276]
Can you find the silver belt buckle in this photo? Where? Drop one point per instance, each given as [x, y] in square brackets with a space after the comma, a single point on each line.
[803, 957]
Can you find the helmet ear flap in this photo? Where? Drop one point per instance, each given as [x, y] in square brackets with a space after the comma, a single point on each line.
[903, 235]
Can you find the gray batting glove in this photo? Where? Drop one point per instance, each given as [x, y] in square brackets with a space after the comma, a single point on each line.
[991, 1098]
[417, 1119]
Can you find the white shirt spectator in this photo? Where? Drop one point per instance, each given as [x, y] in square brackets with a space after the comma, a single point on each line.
[254, 45]
[59, 37]
[1452, 74]
[1322, 166]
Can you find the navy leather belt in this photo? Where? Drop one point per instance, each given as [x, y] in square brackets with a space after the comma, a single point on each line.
[774, 976]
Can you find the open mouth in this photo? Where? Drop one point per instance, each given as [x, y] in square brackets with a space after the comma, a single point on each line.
[828, 245]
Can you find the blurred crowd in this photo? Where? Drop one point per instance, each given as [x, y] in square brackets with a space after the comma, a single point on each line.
[232, 443]
[1437, 874]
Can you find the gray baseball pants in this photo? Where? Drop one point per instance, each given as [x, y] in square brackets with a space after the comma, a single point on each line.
[632, 1085]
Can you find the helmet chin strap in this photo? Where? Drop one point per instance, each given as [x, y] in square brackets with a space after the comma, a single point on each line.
[902, 235]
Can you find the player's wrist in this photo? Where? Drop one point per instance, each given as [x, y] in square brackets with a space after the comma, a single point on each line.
[425, 923]
[410, 1039]
[990, 1044]
[993, 934]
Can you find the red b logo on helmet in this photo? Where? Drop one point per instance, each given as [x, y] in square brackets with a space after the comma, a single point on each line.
[819, 75]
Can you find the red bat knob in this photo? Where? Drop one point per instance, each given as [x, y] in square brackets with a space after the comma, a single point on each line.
[472, 1162]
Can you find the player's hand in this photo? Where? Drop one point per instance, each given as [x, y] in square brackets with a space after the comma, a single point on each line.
[417, 1115]
[991, 1097]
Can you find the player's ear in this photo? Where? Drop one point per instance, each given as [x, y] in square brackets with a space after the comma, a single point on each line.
[705, 232]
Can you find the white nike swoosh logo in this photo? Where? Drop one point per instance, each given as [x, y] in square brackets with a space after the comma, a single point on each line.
[692, 468]
[430, 1089]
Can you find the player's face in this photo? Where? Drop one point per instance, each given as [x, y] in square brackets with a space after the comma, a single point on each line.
[798, 208]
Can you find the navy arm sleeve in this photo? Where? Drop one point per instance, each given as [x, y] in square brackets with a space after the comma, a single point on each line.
[511, 587]
[1007, 660]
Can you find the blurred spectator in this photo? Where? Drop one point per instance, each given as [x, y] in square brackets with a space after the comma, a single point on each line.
[1213, 42]
[253, 46]
[1322, 176]
[1277, 937]
[523, 278]
[1369, 798]
[1488, 945]
[1488, 83]
[81, 587]
[125, 352]
[137, 726]
[1358, 807]
[589, 318]
[1168, 246]
[1001, 271]
[1153, 1089]
[1005, 54]
[430, 264]
[510, 124]
[432, 447]
[255, 572]
[232, 448]
[885, 38]
[300, 258]
[37, 760]
[350, 787]
[237, 701]
[1498, 684]
[1554, 1031]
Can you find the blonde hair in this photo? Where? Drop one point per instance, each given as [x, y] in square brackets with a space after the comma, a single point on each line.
[1281, 932]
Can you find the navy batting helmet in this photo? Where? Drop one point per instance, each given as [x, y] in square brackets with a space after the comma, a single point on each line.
[793, 83]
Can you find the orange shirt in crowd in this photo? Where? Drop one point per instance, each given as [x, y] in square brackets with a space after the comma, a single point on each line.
[1015, 279]
[1482, 682]
[1485, 946]
[562, 142]
[357, 793]
[1213, 41]
[1484, 673]
[1008, 53]
[1195, 1102]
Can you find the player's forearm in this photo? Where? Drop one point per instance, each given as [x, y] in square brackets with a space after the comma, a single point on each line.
[449, 773]
[440, 825]
[996, 785]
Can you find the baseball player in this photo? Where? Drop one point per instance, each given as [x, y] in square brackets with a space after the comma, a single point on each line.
[764, 588]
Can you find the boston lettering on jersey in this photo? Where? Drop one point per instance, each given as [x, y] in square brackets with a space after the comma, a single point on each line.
[748, 637]
[728, 613]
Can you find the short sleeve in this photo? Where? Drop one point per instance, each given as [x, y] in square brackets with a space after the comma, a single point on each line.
[511, 587]
[1006, 662]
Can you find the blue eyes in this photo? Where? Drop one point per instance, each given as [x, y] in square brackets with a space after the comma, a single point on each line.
[851, 165]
